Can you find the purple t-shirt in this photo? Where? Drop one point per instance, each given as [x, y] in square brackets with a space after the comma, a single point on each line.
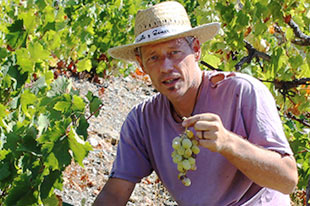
[246, 107]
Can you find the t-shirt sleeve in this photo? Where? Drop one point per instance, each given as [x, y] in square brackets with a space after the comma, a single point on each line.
[262, 120]
[132, 162]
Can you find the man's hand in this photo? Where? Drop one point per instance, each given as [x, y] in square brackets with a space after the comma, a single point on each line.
[264, 167]
[210, 131]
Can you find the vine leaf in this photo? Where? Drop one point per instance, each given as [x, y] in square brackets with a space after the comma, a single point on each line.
[27, 98]
[82, 128]
[78, 103]
[4, 170]
[62, 106]
[94, 104]
[43, 123]
[48, 183]
[83, 65]
[21, 192]
[79, 147]
[60, 86]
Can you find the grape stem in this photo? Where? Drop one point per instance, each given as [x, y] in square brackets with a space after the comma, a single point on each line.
[184, 118]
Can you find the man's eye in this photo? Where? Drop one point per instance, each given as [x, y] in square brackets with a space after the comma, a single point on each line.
[175, 52]
[153, 58]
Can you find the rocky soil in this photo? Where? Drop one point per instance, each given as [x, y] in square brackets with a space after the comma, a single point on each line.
[82, 185]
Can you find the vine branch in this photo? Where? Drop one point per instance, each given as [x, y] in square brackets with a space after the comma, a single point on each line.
[209, 66]
[253, 53]
[302, 121]
[303, 39]
[286, 85]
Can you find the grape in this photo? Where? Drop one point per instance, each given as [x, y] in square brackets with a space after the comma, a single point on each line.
[186, 164]
[195, 142]
[192, 161]
[186, 181]
[181, 176]
[176, 143]
[180, 151]
[195, 149]
[188, 153]
[185, 151]
[189, 134]
[177, 158]
[193, 167]
[186, 143]
[180, 167]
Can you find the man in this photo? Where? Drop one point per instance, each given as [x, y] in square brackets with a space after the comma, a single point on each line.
[245, 158]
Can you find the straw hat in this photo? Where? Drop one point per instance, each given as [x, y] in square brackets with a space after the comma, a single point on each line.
[161, 22]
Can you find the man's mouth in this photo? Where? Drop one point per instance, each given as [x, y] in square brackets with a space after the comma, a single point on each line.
[170, 81]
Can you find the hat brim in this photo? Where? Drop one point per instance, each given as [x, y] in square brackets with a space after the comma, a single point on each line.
[203, 33]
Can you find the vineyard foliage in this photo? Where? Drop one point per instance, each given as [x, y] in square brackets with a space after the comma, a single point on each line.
[44, 120]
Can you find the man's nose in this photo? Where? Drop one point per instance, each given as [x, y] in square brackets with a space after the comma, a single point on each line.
[167, 65]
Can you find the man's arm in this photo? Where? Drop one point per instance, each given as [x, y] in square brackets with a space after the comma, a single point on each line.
[116, 192]
[264, 167]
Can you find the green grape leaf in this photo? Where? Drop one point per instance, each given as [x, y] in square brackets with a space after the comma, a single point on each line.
[212, 60]
[3, 153]
[82, 128]
[27, 98]
[95, 105]
[29, 19]
[242, 19]
[61, 152]
[62, 106]
[60, 86]
[43, 123]
[83, 65]
[78, 103]
[17, 26]
[4, 170]
[51, 162]
[90, 96]
[51, 201]
[24, 60]
[101, 67]
[79, 147]
[20, 191]
[18, 76]
[37, 52]
[48, 182]
[260, 28]
[41, 4]
[3, 53]
[296, 61]
[2, 111]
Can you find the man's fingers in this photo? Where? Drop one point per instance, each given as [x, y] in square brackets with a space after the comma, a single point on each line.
[190, 121]
[206, 126]
[205, 135]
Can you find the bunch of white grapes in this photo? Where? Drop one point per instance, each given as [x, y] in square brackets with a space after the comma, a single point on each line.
[184, 155]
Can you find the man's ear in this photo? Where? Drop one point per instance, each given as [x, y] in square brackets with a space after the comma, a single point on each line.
[197, 49]
[139, 60]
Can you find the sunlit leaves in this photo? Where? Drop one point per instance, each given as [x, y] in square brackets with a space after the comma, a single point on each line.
[27, 100]
[95, 103]
[42, 121]
[264, 24]
[79, 147]
[84, 65]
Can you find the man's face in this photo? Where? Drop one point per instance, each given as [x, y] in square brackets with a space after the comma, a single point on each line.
[172, 66]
